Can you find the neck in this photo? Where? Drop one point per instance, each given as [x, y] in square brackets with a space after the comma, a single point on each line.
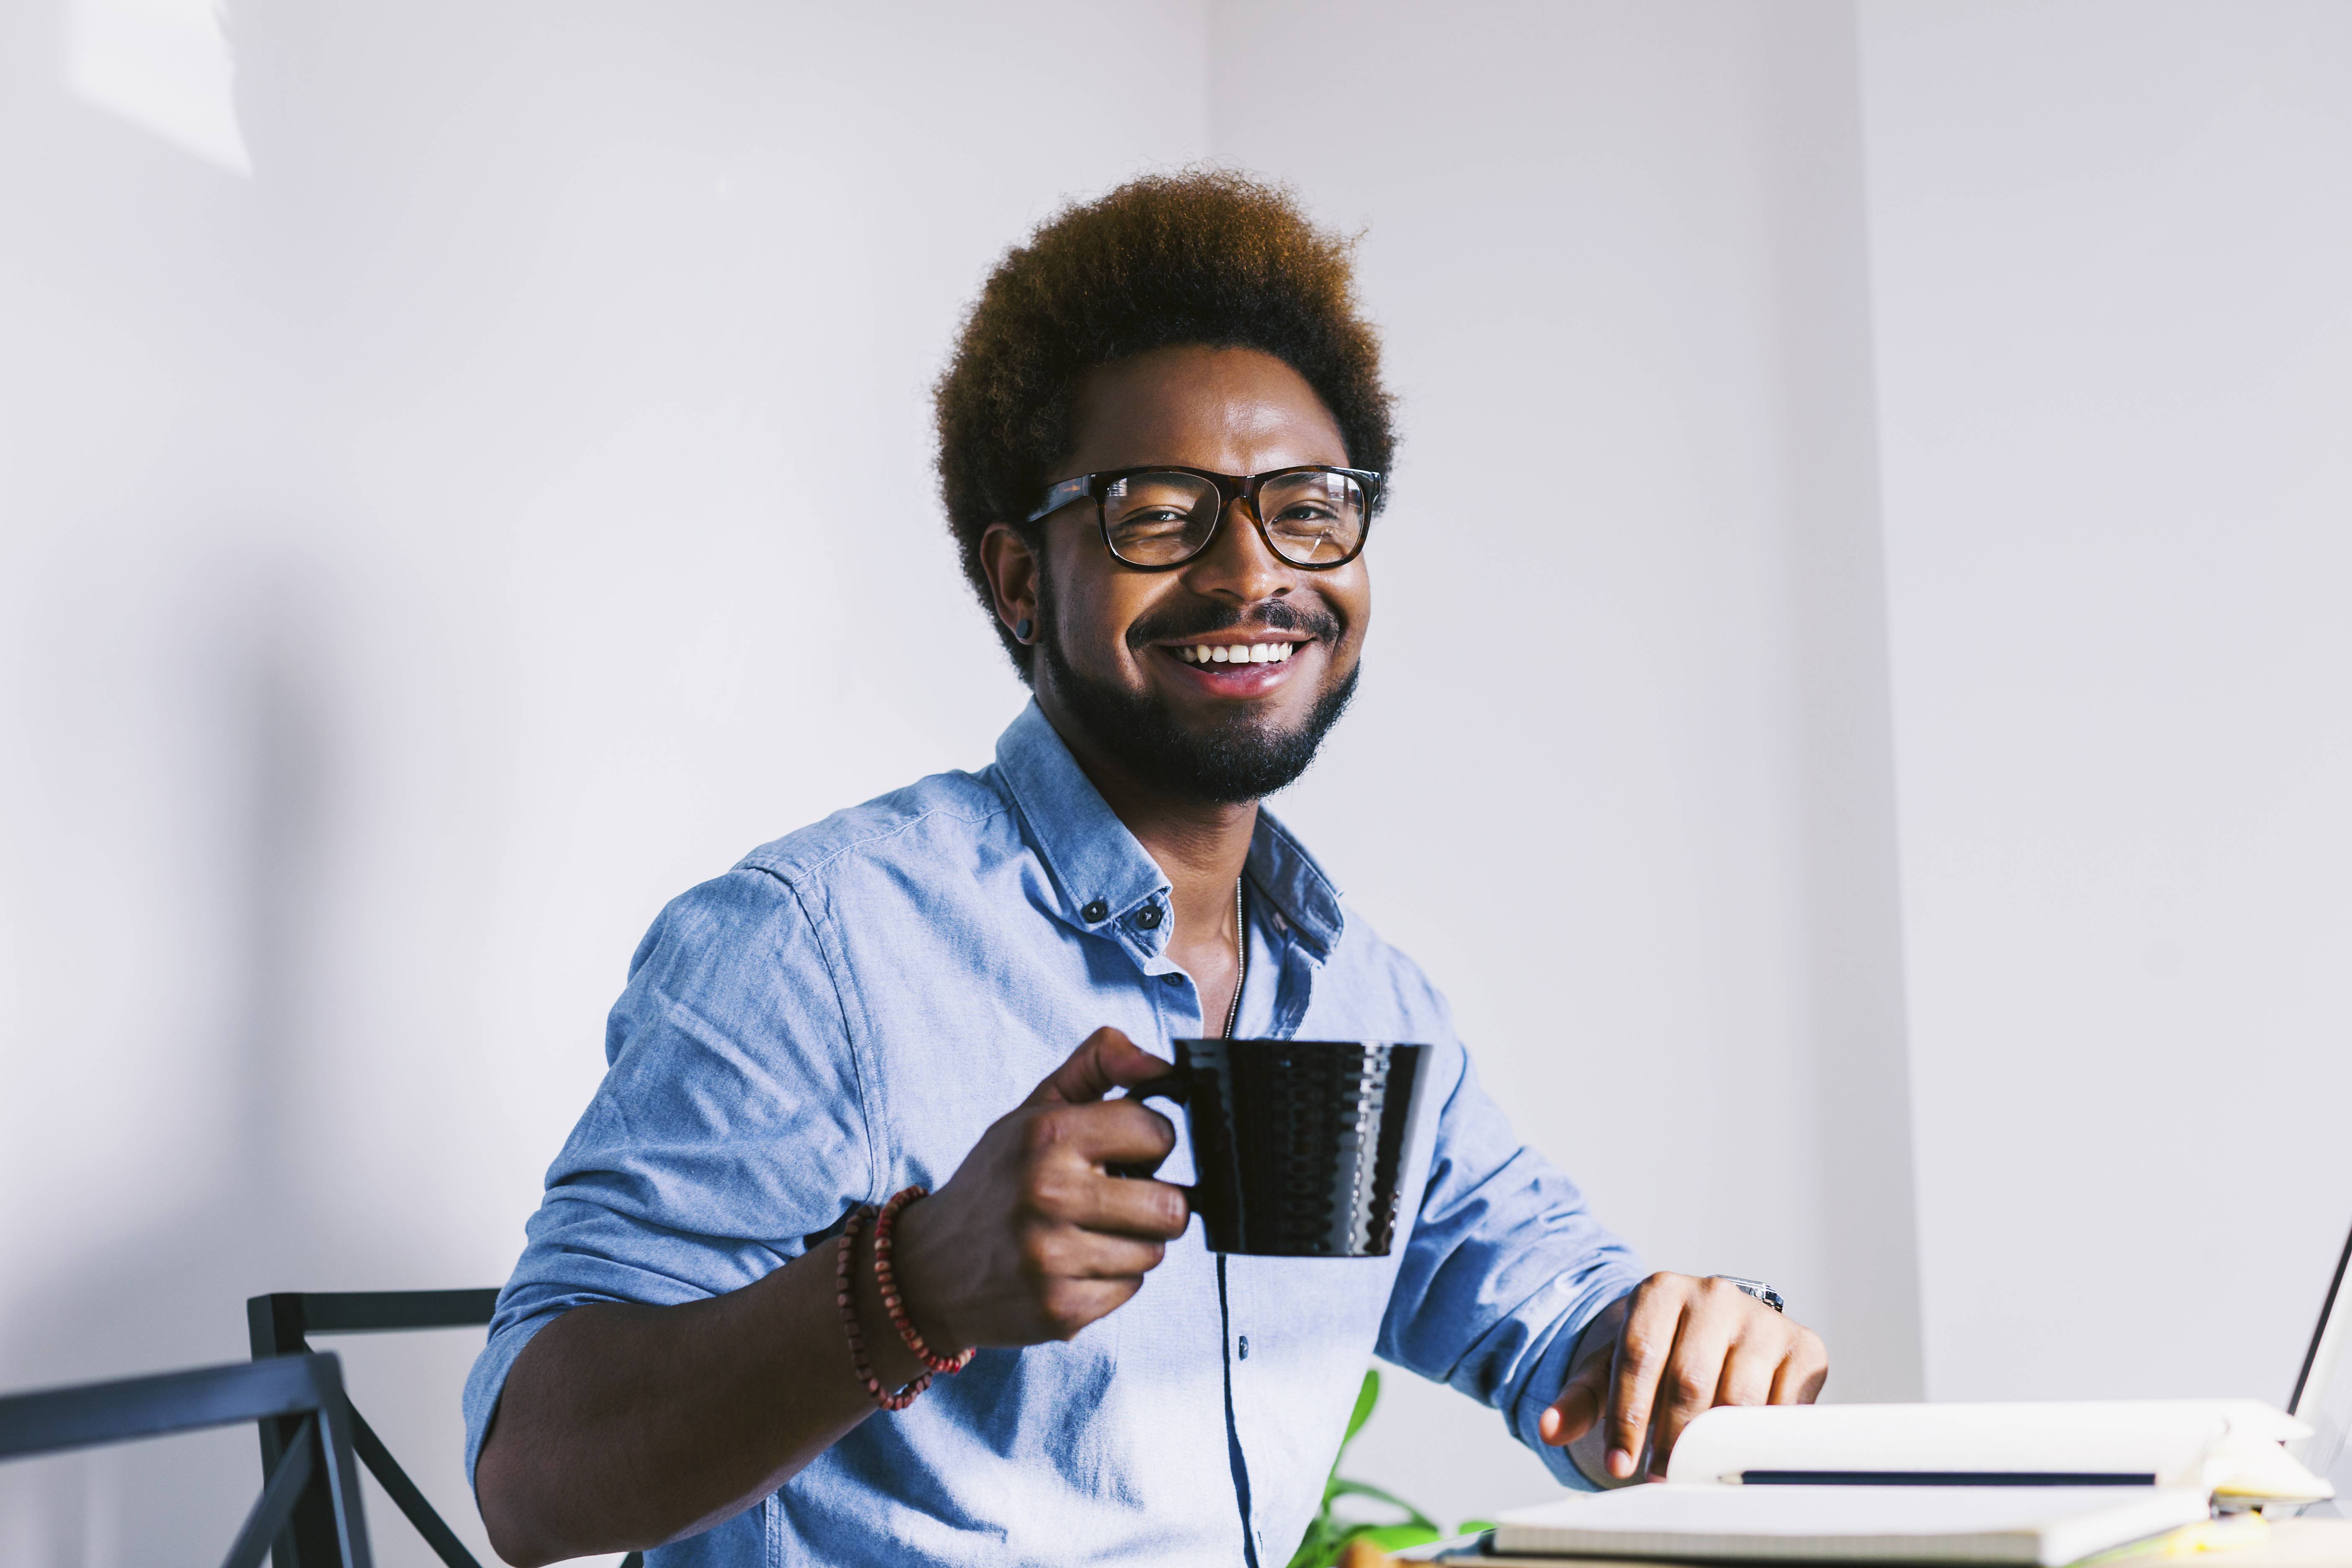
[1200, 844]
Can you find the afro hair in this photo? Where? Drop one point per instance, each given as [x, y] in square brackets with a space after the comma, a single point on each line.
[1203, 257]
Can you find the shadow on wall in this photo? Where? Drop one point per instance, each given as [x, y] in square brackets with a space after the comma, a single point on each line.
[169, 1289]
[1843, 715]
[204, 739]
[144, 413]
[262, 1203]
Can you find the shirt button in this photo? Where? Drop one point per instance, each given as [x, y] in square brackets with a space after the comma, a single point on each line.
[1147, 917]
[1243, 1349]
[1174, 978]
[1094, 911]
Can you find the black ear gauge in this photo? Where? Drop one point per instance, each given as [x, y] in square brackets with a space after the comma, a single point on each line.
[1022, 628]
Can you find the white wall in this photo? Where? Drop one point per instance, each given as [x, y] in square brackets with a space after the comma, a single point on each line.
[420, 561]
[1620, 776]
[2112, 261]
[424, 554]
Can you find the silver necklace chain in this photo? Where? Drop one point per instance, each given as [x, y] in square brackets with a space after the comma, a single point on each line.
[1241, 963]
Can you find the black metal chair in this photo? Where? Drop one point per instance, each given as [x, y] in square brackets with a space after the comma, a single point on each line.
[312, 1468]
[281, 1325]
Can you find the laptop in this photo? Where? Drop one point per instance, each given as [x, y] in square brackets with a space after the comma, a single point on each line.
[2323, 1395]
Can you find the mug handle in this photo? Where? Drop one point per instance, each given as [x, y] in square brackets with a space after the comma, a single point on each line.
[1167, 1085]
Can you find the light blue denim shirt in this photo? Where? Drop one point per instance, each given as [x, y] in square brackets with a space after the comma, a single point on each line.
[845, 1011]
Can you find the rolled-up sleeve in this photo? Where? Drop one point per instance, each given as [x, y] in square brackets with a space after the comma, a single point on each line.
[729, 1127]
[1506, 1267]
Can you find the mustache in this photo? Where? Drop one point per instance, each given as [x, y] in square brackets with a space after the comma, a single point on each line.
[1178, 622]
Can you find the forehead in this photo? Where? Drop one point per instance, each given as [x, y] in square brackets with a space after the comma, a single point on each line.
[1234, 411]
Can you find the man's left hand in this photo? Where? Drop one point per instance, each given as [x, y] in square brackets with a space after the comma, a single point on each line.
[1663, 1353]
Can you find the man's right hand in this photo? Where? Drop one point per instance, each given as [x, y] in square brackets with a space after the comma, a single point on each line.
[1032, 1239]
[626, 1426]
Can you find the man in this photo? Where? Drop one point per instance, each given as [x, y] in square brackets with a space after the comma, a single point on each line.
[1163, 441]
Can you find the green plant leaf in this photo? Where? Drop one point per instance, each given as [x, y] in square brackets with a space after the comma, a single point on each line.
[1339, 1488]
[1317, 1548]
[1366, 1397]
[1397, 1537]
[1327, 1536]
[1322, 1551]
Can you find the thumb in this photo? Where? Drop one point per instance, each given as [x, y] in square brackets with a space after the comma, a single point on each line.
[1106, 1060]
[1580, 1403]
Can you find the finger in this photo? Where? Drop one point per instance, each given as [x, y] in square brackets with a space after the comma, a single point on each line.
[1072, 1304]
[1122, 1132]
[1070, 1253]
[1106, 1060]
[1803, 1369]
[1643, 1348]
[1118, 1131]
[1572, 1415]
[1117, 1205]
[1584, 1393]
[1694, 1372]
[1749, 1371]
[1063, 1186]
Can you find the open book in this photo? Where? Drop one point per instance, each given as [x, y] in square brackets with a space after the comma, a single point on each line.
[2041, 1526]
[2041, 1484]
[2233, 1449]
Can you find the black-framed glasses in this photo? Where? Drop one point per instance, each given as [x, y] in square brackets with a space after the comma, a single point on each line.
[1312, 516]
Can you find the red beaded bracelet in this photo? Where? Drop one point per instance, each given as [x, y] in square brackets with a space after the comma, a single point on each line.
[892, 1302]
[848, 1299]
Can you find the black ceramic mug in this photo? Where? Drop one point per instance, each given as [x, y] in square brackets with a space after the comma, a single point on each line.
[1299, 1146]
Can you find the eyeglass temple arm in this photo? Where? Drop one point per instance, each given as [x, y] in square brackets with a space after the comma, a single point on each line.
[1062, 495]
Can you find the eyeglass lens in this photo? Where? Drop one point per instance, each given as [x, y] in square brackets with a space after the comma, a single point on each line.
[1312, 518]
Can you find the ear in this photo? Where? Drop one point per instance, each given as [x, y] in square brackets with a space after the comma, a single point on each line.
[1011, 568]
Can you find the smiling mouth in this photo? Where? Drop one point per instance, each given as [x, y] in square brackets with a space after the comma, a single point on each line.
[1232, 653]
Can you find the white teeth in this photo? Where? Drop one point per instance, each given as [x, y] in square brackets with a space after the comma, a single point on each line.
[1225, 653]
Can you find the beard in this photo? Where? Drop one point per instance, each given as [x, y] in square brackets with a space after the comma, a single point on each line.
[1235, 758]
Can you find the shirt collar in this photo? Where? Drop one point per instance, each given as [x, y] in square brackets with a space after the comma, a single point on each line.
[1096, 862]
[1297, 885]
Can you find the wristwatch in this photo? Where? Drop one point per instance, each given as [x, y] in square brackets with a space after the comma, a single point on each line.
[1757, 1288]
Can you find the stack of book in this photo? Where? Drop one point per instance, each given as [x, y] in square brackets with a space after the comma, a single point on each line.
[2039, 1486]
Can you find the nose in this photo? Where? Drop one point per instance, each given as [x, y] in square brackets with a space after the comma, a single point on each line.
[1237, 566]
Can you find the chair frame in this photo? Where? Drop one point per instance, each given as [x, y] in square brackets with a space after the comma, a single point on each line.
[281, 1325]
[301, 1397]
